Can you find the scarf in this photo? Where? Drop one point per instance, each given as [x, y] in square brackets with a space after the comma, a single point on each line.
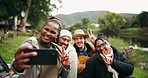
[110, 69]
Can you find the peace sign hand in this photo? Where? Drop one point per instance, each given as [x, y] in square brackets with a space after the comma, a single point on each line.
[108, 60]
[65, 60]
[91, 36]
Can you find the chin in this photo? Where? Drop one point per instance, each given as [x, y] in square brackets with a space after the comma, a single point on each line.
[80, 46]
[46, 41]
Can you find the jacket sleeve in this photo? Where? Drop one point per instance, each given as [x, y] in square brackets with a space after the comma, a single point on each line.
[64, 73]
[88, 71]
[73, 64]
[122, 65]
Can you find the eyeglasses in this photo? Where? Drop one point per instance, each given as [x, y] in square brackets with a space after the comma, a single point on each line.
[101, 45]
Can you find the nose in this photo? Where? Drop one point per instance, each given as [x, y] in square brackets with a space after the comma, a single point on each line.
[48, 33]
[101, 47]
[78, 40]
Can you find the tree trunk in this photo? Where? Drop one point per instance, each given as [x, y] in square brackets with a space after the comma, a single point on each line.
[26, 14]
[14, 26]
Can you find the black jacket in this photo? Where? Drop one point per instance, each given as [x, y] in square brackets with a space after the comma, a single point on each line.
[96, 68]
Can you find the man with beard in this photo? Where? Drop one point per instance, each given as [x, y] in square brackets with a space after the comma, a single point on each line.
[84, 49]
[64, 40]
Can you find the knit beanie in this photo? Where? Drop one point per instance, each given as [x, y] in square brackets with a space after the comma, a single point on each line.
[65, 33]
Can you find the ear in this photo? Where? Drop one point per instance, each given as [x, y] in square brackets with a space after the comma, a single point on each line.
[84, 39]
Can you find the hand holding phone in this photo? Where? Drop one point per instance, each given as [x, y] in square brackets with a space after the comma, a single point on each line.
[44, 56]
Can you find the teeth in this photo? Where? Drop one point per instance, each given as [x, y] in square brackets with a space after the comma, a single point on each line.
[46, 37]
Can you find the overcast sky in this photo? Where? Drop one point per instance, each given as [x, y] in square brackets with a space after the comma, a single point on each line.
[117, 6]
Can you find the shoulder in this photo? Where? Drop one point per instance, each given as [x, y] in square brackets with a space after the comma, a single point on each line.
[94, 58]
[118, 55]
[71, 50]
[70, 46]
[32, 41]
[116, 51]
[75, 45]
[90, 45]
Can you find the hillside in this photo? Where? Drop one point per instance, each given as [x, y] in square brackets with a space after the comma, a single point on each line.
[92, 15]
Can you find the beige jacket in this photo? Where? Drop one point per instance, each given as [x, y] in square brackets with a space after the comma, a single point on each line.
[41, 71]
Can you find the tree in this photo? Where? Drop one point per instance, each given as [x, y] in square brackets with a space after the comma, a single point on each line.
[134, 22]
[40, 10]
[143, 19]
[77, 26]
[10, 8]
[85, 23]
[35, 10]
[111, 23]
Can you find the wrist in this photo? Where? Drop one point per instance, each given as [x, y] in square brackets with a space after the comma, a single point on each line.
[67, 66]
[16, 68]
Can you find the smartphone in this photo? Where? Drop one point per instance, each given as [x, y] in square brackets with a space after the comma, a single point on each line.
[45, 56]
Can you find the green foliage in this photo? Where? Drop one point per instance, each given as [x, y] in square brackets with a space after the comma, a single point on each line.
[9, 47]
[129, 33]
[74, 27]
[85, 21]
[132, 22]
[38, 10]
[138, 73]
[143, 19]
[136, 57]
[119, 43]
[84, 24]
[10, 8]
[135, 35]
[111, 23]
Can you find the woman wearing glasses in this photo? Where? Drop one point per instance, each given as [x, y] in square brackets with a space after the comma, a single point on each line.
[108, 62]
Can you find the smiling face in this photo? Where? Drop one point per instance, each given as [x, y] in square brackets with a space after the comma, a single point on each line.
[49, 33]
[64, 41]
[103, 47]
[79, 41]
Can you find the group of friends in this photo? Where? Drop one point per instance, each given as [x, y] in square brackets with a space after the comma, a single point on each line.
[78, 58]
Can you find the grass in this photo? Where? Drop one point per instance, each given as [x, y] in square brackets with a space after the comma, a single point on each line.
[138, 73]
[135, 57]
[9, 47]
[120, 44]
